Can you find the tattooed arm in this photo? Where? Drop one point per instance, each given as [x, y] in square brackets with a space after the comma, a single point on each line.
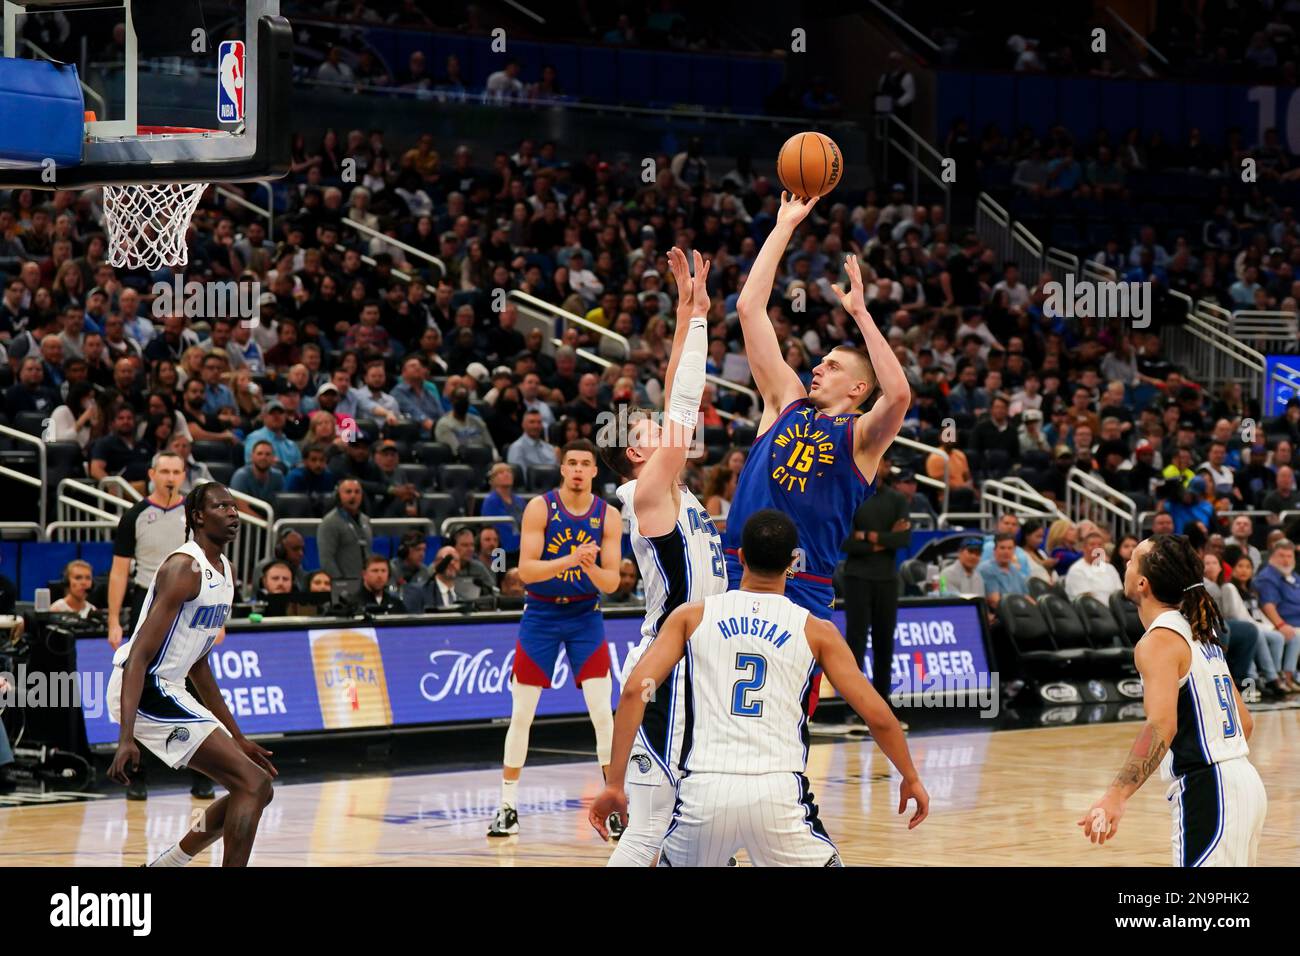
[1162, 657]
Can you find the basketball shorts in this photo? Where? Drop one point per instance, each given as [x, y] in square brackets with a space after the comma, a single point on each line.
[545, 628]
[169, 720]
[816, 598]
[1218, 815]
[770, 815]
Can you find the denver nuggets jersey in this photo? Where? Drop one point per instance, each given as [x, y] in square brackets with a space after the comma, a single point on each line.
[802, 466]
[196, 625]
[684, 565]
[748, 674]
[1209, 728]
[564, 532]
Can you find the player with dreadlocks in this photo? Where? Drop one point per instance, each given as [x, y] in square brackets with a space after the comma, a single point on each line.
[1197, 726]
[184, 612]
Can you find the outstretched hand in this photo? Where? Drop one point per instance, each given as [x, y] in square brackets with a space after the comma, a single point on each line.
[700, 286]
[794, 209]
[854, 297]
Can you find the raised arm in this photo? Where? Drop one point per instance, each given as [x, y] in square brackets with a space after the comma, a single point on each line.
[692, 303]
[1159, 658]
[842, 671]
[657, 500]
[638, 690]
[776, 381]
[876, 430]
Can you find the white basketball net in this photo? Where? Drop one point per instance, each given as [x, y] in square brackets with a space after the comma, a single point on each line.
[147, 223]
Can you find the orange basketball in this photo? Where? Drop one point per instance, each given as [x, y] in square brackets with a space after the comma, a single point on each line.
[809, 164]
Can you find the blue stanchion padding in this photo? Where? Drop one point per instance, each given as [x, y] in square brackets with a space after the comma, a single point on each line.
[42, 112]
[99, 554]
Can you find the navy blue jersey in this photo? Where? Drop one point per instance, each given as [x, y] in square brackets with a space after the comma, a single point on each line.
[802, 466]
[565, 532]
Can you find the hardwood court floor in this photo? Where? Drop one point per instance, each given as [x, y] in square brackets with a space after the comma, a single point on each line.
[1004, 798]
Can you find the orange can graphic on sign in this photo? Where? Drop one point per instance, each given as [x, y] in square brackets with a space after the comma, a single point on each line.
[350, 680]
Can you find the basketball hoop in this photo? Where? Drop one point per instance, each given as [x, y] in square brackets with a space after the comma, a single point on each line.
[147, 223]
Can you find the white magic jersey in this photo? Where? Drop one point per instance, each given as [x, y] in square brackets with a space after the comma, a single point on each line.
[192, 633]
[684, 565]
[748, 678]
[1209, 727]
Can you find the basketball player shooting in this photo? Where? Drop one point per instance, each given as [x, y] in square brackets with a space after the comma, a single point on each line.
[184, 613]
[815, 458]
[749, 659]
[569, 551]
[679, 553]
[1197, 726]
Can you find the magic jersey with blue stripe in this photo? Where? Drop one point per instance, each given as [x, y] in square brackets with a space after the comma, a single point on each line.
[1209, 727]
[803, 466]
[686, 564]
[191, 634]
[564, 532]
[748, 680]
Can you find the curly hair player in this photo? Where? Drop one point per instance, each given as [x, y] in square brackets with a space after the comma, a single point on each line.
[1197, 725]
[182, 617]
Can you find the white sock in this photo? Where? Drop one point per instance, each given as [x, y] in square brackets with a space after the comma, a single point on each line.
[508, 790]
[174, 856]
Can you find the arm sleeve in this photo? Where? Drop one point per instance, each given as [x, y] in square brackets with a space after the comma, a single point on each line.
[124, 538]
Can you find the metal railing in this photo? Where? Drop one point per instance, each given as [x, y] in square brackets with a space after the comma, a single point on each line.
[449, 524]
[1098, 272]
[924, 479]
[269, 216]
[913, 31]
[1015, 496]
[1060, 263]
[1089, 498]
[1269, 332]
[553, 314]
[1026, 253]
[949, 518]
[922, 158]
[280, 524]
[993, 226]
[31, 527]
[529, 306]
[1205, 346]
[254, 543]
[36, 481]
[81, 530]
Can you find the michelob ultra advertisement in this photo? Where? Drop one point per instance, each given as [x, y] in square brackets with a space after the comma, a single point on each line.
[350, 681]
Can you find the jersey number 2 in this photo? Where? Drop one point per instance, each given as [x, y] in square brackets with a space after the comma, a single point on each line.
[755, 666]
[1228, 701]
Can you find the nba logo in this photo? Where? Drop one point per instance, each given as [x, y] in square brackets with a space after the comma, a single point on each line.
[230, 81]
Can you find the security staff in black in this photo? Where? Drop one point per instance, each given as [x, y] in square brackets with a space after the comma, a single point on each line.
[880, 527]
[147, 533]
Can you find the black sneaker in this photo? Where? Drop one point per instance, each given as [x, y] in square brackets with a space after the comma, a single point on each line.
[137, 789]
[615, 826]
[731, 861]
[201, 789]
[505, 823]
